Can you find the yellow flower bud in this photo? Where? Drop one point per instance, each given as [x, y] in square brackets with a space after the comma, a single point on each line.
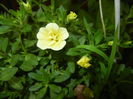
[71, 16]
[84, 62]
[110, 43]
[27, 6]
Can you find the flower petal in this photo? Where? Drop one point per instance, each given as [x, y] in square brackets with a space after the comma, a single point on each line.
[64, 33]
[52, 26]
[43, 44]
[42, 33]
[59, 46]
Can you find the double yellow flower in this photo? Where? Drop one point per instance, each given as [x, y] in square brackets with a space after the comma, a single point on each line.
[84, 62]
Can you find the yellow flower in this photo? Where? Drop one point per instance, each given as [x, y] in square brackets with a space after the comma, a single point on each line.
[84, 62]
[71, 16]
[52, 37]
[110, 43]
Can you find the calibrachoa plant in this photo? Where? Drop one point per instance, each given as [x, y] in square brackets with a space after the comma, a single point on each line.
[55, 49]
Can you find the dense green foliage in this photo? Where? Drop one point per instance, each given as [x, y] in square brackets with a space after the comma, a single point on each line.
[27, 72]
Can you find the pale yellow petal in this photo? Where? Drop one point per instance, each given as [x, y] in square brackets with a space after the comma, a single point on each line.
[64, 33]
[59, 46]
[43, 44]
[42, 34]
[52, 26]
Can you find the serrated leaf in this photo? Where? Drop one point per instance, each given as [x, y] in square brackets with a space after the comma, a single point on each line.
[8, 73]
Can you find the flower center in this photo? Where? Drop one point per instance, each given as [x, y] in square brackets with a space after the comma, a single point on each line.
[54, 37]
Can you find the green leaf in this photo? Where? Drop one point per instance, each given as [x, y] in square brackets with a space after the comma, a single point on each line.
[36, 76]
[71, 67]
[15, 59]
[63, 77]
[87, 26]
[3, 44]
[26, 28]
[76, 51]
[94, 49]
[35, 87]
[16, 83]
[120, 69]
[40, 16]
[29, 43]
[42, 92]
[98, 37]
[15, 46]
[89, 31]
[54, 74]
[44, 61]
[82, 40]
[61, 13]
[8, 73]
[4, 29]
[26, 66]
[55, 88]
[55, 91]
[103, 69]
[32, 96]
[42, 76]
[29, 63]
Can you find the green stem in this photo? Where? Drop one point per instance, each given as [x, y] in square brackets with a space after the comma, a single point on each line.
[115, 43]
[113, 53]
[116, 37]
[101, 16]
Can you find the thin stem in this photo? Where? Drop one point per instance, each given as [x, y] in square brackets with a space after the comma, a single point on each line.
[101, 16]
[116, 37]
